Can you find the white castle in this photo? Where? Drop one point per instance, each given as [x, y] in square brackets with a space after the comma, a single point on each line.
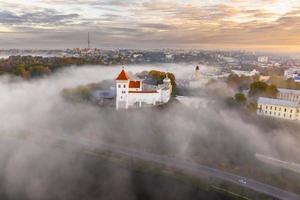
[133, 92]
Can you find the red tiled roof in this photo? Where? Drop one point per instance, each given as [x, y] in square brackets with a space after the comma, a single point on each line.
[149, 91]
[123, 76]
[134, 84]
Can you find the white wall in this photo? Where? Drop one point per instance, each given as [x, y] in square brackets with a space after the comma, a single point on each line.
[283, 112]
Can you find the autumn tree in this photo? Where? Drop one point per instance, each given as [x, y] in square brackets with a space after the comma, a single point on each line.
[259, 88]
[240, 98]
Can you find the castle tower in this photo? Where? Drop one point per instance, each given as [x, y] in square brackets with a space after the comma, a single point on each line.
[166, 92]
[122, 88]
[167, 81]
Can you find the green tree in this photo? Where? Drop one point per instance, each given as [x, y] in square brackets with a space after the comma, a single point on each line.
[240, 98]
[159, 77]
[19, 70]
[258, 88]
[83, 92]
[272, 91]
[39, 70]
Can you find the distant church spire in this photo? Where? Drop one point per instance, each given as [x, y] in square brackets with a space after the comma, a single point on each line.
[197, 73]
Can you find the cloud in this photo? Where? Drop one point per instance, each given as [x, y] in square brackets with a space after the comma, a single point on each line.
[45, 17]
[148, 23]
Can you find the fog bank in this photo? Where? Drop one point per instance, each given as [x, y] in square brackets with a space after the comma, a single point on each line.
[200, 133]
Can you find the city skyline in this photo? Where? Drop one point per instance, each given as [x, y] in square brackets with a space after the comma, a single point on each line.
[263, 25]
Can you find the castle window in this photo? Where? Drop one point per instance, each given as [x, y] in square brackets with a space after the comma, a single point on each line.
[119, 86]
[271, 107]
[285, 110]
[291, 111]
[124, 86]
[275, 108]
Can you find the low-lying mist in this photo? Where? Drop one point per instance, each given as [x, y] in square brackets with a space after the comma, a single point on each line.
[209, 134]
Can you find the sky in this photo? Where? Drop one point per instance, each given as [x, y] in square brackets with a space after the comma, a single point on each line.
[268, 25]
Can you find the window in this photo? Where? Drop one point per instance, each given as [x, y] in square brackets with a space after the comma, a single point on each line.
[271, 108]
[297, 111]
[119, 86]
[290, 116]
[270, 113]
[291, 111]
[279, 109]
[275, 108]
[285, 110]
[266, 107]
[124, 86]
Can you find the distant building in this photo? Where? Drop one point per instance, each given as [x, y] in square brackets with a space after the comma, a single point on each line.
[264, 78]
[169, 57]
[263, 59]
[278, 108]
[134, 92]
[293, 73]
[245, 73]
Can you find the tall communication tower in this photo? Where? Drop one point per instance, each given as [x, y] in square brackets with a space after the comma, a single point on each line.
[89, 41]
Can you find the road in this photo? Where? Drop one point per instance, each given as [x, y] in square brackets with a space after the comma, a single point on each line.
[180, 164]
[193, 168]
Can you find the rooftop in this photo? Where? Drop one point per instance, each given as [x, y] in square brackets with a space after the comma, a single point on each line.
[282, 90]
[144, 91]
[134, 84]
[123, 76]
[277, 102]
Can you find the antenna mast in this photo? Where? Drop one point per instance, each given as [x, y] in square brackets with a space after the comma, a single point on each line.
[89, 42]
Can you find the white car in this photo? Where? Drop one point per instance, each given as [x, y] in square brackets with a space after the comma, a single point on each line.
[242, 181]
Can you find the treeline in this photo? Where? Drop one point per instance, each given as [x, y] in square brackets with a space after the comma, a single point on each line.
[37, 66]
[159, 77]
[248, 89]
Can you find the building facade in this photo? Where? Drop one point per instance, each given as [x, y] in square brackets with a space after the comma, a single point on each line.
[245, 73]
[133, 92]
[287, 94]
[278, 108]
[263, 59]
